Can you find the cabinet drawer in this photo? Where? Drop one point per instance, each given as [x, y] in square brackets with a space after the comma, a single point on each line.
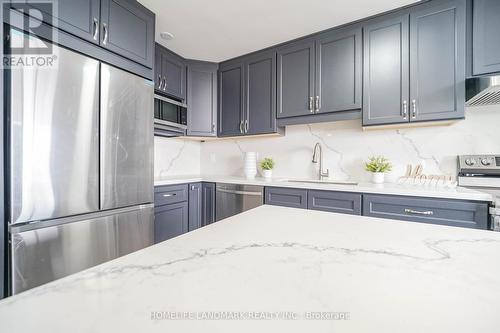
[337, 202]
[287, 197]
[457, 213]
[165, 195]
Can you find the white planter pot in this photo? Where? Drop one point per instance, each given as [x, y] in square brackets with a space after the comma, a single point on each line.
[378, 177]
[268, 174]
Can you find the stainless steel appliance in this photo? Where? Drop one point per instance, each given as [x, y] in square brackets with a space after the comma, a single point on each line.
[170, 117]
[232, 199]
[80, 158]
[482, 172]
[482, 90]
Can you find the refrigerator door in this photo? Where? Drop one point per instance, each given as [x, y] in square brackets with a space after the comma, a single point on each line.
[54, 138]
[49, 250]
[126, 139]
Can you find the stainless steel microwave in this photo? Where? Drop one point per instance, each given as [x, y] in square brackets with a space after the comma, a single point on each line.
[170, 116]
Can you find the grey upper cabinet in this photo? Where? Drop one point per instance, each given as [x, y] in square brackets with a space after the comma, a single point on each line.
[486, 39]
[338, 70]
[127, 28]
[260, 93]
[170, 73]
[231, 99]
[202, 99]
[195, 202]
[386, 70]
[78, 17]
[295, 79]
[437, 61]
[208, 204]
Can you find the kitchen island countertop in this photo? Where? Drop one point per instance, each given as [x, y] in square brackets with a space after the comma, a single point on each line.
[276, 269]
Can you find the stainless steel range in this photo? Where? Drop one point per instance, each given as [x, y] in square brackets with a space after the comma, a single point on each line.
[482, 172]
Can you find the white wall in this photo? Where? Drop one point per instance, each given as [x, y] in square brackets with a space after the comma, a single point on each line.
[345, 147]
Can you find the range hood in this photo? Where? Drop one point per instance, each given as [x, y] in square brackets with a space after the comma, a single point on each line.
[483, 90]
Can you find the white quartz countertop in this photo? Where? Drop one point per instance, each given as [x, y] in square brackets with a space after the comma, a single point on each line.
[357, 274]
[458, 192]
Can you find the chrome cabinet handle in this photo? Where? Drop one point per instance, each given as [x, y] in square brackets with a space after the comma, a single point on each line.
[213, 128]
[241, 127]
[414, 109]
[426, 213]
[164, 83]
[405, 110]
[168, 195]
[311, 105]
[105, 31]
[317, 104]
[246, 126]
[160, 81]
[96, 28]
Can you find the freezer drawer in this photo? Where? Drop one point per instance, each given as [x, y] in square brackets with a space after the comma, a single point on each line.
[126, 139]
[49, 253]
[54, 137]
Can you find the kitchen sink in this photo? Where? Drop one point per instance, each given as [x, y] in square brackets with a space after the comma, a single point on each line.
[317, 181]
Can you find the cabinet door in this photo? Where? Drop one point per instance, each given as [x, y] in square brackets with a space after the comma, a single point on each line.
[337, 202]
[231, 99]
[260, 93]
[127, 28]
[78, 17]
[437, 61]
[173, 70]
[486, 39]
[287, 197]
[170, 221]
[386, 71]
[202, 99]
[195, 201]
[208, 203]
[296, 79]
[338, 71]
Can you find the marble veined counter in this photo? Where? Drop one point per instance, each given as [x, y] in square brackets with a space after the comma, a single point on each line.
[458, 192]
[276, 269]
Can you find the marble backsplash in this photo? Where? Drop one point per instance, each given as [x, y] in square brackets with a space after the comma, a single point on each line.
[345, 147]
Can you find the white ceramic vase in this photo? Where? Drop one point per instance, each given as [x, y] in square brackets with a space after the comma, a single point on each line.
[378, 177]
[268, 174]
[250, 167]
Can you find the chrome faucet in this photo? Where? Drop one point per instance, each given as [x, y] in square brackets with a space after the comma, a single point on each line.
[321, 174]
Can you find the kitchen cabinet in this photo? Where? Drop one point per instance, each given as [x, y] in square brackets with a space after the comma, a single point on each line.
[195, 203]
[336, 202]
[202, 98]
[170, 221]
[467, 214]
[287, 197]
[170, 73]
[295, 83]
[208, 203]
[230, 115]
[68, 17]
[414, 64]
[486, 39]
[127, 28]
[260, 93]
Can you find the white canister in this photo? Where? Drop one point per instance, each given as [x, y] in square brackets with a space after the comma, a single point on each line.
[250, 166]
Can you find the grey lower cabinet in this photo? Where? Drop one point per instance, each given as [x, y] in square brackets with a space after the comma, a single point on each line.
[458, 213]
[208, 203]
[171, 211]
[486, 39]
[195, 203]
[202, 98]
[230, 114]
[170, 73]
[286, 197]
[414, 64]
[337, 202]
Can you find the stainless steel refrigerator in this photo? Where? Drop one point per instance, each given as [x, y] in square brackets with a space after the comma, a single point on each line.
[80, 159]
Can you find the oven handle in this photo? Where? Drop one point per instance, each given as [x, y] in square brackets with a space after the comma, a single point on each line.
[259, 194]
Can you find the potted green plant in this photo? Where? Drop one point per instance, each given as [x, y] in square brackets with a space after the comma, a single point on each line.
[267, 165]
[378, 166]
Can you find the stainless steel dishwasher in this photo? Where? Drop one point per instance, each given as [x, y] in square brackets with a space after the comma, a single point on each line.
[232, 199]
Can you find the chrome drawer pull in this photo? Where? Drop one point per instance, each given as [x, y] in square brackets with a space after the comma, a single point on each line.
[411, 211]
[169, 195]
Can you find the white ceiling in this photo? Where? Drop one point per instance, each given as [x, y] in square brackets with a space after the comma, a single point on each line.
[217, 30]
